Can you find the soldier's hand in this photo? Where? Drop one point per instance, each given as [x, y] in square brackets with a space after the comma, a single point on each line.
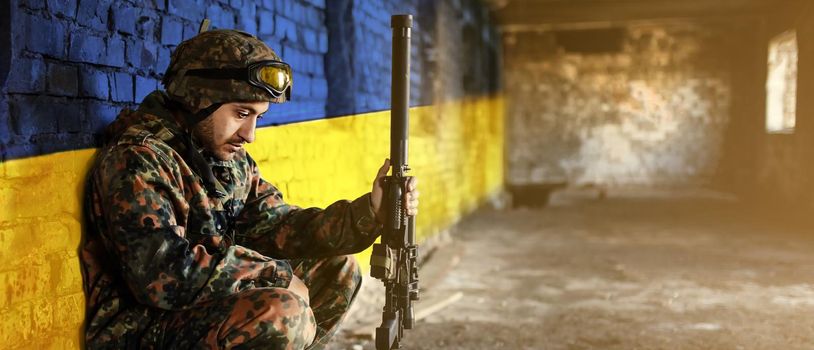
[377, 194]
[411, 196]
[298, 287]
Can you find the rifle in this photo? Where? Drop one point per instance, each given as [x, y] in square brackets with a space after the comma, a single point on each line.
[394, 259]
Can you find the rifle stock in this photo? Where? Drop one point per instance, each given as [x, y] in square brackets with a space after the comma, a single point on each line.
[394, 259]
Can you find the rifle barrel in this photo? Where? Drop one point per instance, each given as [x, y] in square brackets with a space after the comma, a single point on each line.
[400, 91]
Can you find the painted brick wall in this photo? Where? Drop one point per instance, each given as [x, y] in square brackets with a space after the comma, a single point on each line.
[650, 111]
[351, 150]
[74, 64]
[101, 56]
[454, 53]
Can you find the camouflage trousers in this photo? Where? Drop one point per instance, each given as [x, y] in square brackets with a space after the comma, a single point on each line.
[272, 318]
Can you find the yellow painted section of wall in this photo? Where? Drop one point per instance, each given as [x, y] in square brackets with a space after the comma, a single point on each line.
[41, 299]
[456, 151]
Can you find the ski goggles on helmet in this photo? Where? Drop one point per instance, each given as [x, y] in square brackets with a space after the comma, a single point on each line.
[272, 76]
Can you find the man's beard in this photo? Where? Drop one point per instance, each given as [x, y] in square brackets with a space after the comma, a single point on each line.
[204, 133]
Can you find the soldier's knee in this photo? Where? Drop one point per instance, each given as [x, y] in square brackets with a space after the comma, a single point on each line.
[284, 317]
[353, 267]
[352, 272]
[350, 269]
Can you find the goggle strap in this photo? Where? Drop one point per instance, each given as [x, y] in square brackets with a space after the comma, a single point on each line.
[237, 74]
[219, 73]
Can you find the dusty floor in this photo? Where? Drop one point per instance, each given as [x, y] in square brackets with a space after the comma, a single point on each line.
[637, 270]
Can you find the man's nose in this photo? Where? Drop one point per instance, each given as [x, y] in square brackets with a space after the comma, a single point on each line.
[246, 131]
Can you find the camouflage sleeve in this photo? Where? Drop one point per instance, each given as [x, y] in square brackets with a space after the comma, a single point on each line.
[275, 228]
[140, 191]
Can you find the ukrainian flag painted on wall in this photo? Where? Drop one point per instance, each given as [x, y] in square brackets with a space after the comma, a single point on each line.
[323, 146]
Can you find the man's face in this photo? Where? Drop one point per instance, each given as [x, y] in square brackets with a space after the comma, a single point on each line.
[225, 131]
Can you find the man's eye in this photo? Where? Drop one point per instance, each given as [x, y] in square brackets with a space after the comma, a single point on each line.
[259, 116]
[243, 115]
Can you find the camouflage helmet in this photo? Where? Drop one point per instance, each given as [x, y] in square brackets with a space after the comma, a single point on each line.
[216, 49]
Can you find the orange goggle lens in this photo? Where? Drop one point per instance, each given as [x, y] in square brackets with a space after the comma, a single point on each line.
[277, 77]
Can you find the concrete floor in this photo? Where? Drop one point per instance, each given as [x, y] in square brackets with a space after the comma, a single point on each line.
[637, 270]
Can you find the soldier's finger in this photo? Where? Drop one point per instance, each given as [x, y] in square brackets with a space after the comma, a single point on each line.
[410, 203]
[408, 199]
[412, 184]
[383, 170]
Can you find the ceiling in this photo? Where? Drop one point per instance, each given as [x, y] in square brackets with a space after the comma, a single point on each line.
[518, 14]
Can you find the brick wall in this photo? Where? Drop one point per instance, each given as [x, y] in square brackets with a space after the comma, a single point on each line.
[644, 104]
[74, 64]
[5, 41]
[101, 56]
[358, 59]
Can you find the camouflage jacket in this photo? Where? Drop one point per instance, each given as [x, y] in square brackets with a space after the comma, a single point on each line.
[156, 240]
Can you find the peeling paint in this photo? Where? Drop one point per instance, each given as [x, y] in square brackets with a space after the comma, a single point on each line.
[653, 114]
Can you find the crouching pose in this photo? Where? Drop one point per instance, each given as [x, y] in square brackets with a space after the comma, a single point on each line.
[186, 245]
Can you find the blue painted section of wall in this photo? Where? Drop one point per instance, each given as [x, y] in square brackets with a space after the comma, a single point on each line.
[5, 41]
[5, 65]
[359, 55]
[91, 58]
[77, 63]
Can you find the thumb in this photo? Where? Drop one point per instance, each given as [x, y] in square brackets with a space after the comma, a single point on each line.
[384, 169]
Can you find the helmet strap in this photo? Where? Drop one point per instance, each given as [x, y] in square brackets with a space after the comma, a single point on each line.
[201, 167]
[195, 118]
[195, 159]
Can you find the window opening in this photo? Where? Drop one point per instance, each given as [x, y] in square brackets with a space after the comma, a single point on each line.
[781, 84]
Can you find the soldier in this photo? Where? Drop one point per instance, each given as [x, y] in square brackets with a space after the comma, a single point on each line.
[186, 245]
